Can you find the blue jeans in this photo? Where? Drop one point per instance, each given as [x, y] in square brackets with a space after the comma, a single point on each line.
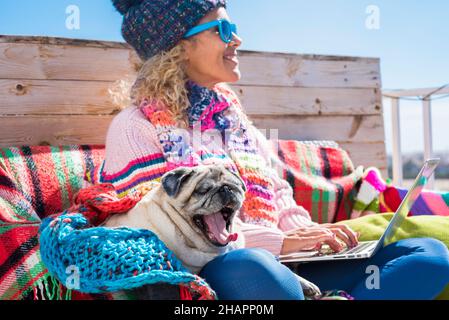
[415, 268]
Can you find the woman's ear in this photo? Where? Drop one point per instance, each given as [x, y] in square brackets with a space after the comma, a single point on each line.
[187, 45]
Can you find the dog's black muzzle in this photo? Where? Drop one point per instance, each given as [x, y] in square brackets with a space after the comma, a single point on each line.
[227, 196]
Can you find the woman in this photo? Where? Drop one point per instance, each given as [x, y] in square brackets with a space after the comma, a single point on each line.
[189, 49]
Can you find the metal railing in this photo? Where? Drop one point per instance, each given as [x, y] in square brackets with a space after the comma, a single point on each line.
[425, 95]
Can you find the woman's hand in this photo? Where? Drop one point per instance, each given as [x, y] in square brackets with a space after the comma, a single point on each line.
[343, 232]
[312, 238]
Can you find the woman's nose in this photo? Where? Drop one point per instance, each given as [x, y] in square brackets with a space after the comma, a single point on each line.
[236, 40]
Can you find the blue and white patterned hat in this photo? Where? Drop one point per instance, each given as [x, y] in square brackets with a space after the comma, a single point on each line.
[155, 26]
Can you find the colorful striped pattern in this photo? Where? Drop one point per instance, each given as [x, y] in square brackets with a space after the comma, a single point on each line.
[377, 195]
[138, 171]
[428, 202]
[46, 176]
[323, 178]
[36, 181]
[259, 207]
[20, 265]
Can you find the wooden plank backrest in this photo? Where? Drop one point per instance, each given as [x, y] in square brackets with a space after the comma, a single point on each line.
[55, 91]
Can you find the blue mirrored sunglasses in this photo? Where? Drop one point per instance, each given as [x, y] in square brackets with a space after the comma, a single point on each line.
[226, 29]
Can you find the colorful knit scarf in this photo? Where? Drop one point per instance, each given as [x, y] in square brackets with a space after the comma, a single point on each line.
[217, 117]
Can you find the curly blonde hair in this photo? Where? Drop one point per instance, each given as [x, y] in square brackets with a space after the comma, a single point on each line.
[161, 78]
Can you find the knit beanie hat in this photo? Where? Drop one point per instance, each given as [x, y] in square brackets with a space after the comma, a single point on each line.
[154, 26]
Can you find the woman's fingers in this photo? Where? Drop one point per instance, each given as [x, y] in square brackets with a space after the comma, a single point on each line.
[341, 235]
[352, 235]
[301, 243]
[309, 238]
[312, 232]
[300, 231]
[334, 244]
[295, 231]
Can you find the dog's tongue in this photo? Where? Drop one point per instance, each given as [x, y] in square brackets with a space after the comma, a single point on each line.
[217, 226]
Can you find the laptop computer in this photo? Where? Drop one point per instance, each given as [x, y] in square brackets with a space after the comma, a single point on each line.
[367, 249]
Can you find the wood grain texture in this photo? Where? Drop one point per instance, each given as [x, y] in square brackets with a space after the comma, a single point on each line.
[79, 61]
[304, 71]
[56, 97]
[271, 100]
[20, 96]
[53, 130]
[340, 128]
[65, 62]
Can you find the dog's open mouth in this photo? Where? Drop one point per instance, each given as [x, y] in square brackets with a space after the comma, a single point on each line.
[216, 226]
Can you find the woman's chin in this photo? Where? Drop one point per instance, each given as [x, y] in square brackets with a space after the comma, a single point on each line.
[233, 75]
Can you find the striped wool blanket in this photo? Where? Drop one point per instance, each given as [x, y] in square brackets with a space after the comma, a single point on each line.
[322, 176]
[376, 195]
[36, 182]
[326, 183]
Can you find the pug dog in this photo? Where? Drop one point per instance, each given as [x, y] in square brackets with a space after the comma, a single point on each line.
[192, 211]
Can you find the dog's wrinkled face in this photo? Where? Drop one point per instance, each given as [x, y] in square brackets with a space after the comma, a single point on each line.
[208, 197]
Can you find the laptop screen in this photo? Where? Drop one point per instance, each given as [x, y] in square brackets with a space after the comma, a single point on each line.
[409, 199]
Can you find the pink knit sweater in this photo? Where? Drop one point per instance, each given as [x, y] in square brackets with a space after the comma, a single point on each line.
[131, 158]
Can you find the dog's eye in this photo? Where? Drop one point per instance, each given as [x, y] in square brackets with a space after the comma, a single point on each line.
[202, 189]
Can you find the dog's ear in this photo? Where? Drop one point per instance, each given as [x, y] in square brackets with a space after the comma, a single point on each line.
[172, 180]
[239, 177]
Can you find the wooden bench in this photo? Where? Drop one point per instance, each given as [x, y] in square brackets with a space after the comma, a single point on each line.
[55, 91]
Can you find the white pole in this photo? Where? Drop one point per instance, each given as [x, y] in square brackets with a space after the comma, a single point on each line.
[428, 148]
[397, 155]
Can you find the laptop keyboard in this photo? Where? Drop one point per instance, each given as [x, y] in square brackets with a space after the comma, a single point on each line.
[357, 249]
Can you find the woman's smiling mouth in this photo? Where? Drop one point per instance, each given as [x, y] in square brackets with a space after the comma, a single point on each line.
[232, 57]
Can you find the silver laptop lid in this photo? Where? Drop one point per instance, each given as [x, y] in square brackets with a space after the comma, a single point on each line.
[408, 201]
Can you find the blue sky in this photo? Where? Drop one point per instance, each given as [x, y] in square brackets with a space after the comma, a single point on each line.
[412, 40]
